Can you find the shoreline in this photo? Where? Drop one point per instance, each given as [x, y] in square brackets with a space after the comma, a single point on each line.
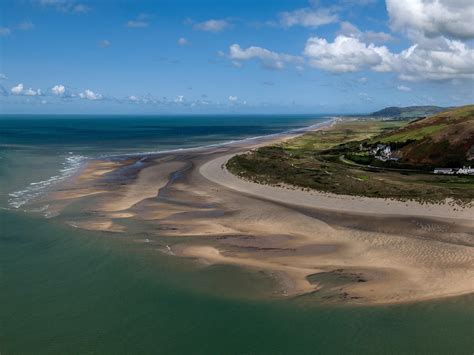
[216, 172]
[385, 251]
[74, 164]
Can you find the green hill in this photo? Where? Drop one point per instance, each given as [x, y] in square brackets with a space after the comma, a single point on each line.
[408, 112]
[442, 140]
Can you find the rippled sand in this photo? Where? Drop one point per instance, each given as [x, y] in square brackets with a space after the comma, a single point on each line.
[338, 247]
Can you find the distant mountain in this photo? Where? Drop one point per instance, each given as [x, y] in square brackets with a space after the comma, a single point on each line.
[442, 140]
[408, 112]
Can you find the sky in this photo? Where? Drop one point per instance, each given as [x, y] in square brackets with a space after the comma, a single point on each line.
[234, 56]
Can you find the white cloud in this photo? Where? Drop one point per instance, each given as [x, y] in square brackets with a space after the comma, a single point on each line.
[90, 95]
[349, 30]
[179, 99]
[212, 25]
[136, 24]
[104, 43]
[32, 92]
[58, 90]
[142, 20]
[3, 77]
[17, 90]
[452, 60]
[345, 54]
[133, 98]
[20, 90]
[450, 18]
[233, 98]
[183, 41]
[403, 88]
[307, 17]
[65, 6]
[4, 31]
[268, 58]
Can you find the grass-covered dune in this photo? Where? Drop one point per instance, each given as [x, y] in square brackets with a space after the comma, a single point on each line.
[325, 160]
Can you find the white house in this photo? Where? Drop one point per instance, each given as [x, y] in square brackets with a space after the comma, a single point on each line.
[466, 170]
[447, 171]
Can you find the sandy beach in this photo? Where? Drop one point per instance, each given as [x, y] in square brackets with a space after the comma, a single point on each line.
[332, 247]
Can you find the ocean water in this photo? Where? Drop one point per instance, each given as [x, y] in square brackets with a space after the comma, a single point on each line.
[64, 290]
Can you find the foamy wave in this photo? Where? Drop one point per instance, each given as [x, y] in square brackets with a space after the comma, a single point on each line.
[73, 162]
[70, 166]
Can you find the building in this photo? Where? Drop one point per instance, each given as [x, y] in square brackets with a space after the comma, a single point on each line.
[465, 170]
[446, 171]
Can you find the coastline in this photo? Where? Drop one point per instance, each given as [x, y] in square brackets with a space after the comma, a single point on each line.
[386, 251]
[216, 171]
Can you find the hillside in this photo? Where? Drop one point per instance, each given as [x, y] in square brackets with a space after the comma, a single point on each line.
[408, 112]
[340, 159]
[442, 140]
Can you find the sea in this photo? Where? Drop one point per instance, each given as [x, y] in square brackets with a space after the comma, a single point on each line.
[70, 291]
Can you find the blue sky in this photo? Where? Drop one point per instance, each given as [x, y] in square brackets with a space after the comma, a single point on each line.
[68, 56]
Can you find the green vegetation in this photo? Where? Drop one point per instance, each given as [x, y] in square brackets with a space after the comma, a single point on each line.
[408, 112]
[443, 140]
[339, 160]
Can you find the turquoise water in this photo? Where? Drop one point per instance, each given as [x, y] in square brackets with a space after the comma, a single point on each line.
[66, 291]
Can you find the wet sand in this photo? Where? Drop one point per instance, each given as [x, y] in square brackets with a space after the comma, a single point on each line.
[384, 251]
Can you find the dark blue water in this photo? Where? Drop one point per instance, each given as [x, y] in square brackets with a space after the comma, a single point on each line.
[135, 133]
[38, 151]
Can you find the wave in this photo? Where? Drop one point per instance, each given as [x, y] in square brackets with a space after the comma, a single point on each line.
[73, 163]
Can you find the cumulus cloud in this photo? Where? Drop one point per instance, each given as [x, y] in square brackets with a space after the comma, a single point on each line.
[58, 90]
[268, 58]
[32, 92]
[20, 90]
[345, 54]
[90, 95]
[183, 41]
[403, 88]
[452, 60]
[3, 77]
[449, 18]
[212, 25]
[134, 98]
[233, 98]
[179, 99]
[307, 17]
[17, 90]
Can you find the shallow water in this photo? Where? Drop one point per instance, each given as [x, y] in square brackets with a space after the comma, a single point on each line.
[65, 290]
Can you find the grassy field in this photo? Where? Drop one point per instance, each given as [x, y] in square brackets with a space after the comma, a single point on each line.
[317, 160]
